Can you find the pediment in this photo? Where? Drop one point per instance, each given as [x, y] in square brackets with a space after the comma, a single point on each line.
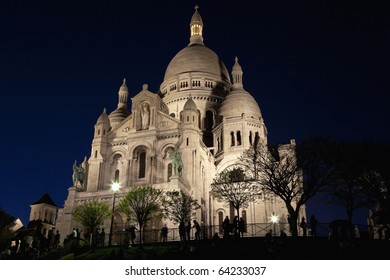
[123, 127]
[146, 96]
[166, 121]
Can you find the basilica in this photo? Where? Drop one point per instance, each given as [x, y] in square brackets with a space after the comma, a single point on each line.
[197, 124]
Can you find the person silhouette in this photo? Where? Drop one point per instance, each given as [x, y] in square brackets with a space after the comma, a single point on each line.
[313, 225]
[197, 230]
[241, 227]
[132, 230]
[182, 231]
[188, 230]
[102, 237]
[57, 238]
[164, 233]
[226, 227]
[303, 226]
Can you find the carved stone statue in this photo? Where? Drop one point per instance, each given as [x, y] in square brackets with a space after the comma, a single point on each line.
[177, 162]
[145, 116]
[78, 176]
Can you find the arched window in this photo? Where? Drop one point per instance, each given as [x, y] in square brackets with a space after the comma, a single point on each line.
[243, 215]
[142, 164]
[116, 177]
[257, 138]
[172, 115]
[250, 137]
[220, 221]
[238, 138]
[169, 171]
[232, 140]
[209, 121]
[95, 154]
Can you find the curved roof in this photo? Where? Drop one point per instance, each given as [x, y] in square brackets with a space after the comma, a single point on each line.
[197, 58]
[118, 115]
[190, 105]
[103, 118]
[239, 102]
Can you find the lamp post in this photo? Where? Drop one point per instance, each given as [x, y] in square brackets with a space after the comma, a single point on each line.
[274, 220]
[114, 187]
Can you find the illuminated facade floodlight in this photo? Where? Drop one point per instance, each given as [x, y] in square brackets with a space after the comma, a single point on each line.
[114, 187]
[274, 218]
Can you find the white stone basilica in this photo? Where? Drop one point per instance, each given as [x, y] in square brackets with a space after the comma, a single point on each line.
[201, 113]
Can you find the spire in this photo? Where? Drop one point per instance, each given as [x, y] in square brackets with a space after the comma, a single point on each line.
[123, 95]
[237, 74]
[196, 28]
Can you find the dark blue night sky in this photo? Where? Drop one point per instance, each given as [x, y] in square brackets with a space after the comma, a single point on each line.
[315, 67]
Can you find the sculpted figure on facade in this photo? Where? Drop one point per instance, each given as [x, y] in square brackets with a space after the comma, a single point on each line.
[177, 162]
[78, 175]
[145, 116]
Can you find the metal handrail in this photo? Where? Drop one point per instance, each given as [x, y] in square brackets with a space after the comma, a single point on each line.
[207, 232]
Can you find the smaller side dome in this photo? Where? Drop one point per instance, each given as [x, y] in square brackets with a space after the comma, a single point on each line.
[190, 105]
[121, 112]
[239, 102]
[103, 118]
[118, 115]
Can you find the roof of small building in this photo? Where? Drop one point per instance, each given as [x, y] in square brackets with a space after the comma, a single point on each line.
[45, 198]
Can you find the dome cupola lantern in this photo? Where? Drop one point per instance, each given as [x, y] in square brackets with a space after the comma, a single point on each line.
[196, 27]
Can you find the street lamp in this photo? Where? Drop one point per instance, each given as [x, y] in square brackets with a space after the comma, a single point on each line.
[114, 187]
[274, 220]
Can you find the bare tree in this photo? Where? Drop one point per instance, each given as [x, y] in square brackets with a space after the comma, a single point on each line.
[291, 174]
[178, 206]
[375, 179]
[233, 187]
[361, 170]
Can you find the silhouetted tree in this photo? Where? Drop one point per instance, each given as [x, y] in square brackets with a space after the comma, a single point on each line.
[375, 179]
[233, 187]
[140, 204]
[361, 172]
[293, 174]
[178, 206]
[6, 223]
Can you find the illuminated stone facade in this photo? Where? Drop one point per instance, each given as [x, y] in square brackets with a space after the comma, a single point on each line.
[199, 111]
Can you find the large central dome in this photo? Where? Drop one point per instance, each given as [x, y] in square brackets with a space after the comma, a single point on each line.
[197, 58]
[196, 65]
